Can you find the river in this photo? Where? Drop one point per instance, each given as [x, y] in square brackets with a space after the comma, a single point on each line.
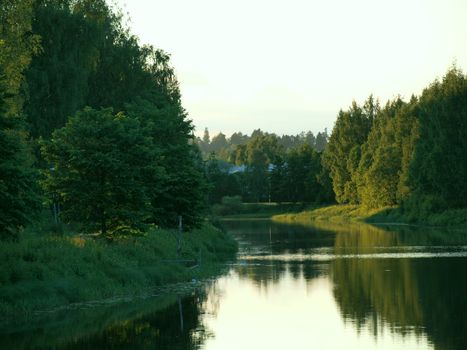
[326, 286]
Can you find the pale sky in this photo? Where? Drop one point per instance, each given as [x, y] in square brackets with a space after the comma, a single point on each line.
[288, 66]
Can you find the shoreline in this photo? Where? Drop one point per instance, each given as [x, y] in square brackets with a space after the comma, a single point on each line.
[346, 213]
[47, 273]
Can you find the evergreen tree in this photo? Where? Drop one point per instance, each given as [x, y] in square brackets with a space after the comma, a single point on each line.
[321, 141]
[342, 153]
[439, 165]
[278, 181]
[206, 137]
[303, 166]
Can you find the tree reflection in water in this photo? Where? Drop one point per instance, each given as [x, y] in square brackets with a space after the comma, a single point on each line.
[376, 279]
[168, 322]
[380, 283]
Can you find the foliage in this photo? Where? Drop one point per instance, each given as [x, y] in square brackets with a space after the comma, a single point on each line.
[19, 198]
[73, 34]
[182, 190]
[220, 182]
[17, 46]
[39, 273]
[342, 154]
[227, 149]
[411, 154]
[100, 163]
[439, 162]
[302, 166]
[383, 168]
[267, 172]
[89, 58]
[19, 195]
[229, 205]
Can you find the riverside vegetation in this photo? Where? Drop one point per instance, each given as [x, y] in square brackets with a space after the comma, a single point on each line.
[346, 213]
[404, 161]
[92, 129]
[46, 273]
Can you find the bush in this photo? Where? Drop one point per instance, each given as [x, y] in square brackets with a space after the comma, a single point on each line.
[230, 205]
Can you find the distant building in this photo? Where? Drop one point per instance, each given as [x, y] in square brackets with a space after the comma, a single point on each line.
[242, 168]
[237, 169]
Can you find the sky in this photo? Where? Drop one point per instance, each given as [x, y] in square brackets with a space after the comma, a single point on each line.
[287, 66]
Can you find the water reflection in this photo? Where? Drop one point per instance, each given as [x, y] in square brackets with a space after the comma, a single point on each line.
[326, 286]
[170, 322]
[418, 296]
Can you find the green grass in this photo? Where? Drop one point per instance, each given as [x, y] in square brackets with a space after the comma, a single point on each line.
[48, 272]
[256, 210]
[332, 213]
[351, 213]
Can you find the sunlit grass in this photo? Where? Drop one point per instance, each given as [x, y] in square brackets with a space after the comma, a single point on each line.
[46, 272]
[348, 213]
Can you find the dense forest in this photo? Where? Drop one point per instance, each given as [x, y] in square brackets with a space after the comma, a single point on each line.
[265, 167]
[410, 154]
[407, 153]
[92, 128]
[92, 122]
[225, 148]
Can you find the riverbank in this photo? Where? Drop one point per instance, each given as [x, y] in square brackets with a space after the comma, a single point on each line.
[356, 213]
[45, 273]
[254, 210]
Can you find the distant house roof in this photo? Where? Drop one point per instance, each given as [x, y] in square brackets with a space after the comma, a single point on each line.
[237, 169]
[242, 168]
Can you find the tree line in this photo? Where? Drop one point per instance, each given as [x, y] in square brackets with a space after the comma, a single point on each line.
[411, 154]
[407, 153]
[91, 119]
[269, 171]
[224, 148]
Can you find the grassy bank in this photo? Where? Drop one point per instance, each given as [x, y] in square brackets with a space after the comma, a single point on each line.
[332, 213]
[349, 213]
[254, 210]
[45, 273]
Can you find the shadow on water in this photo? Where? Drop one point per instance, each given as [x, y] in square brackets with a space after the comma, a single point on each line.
[165, 322]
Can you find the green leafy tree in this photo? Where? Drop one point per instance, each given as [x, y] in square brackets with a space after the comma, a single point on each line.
[183, 190]
[278, 181]
[220, 182]
[305, 179]
[19, 194]
[326, 193]
[101, 164]
[72, 37]
[19, 198]
[260, 152]
[18, 44]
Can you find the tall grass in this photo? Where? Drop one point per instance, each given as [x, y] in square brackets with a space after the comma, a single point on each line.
[46, 272]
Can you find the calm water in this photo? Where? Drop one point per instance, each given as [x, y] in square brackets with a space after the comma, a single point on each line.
[323, 287]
